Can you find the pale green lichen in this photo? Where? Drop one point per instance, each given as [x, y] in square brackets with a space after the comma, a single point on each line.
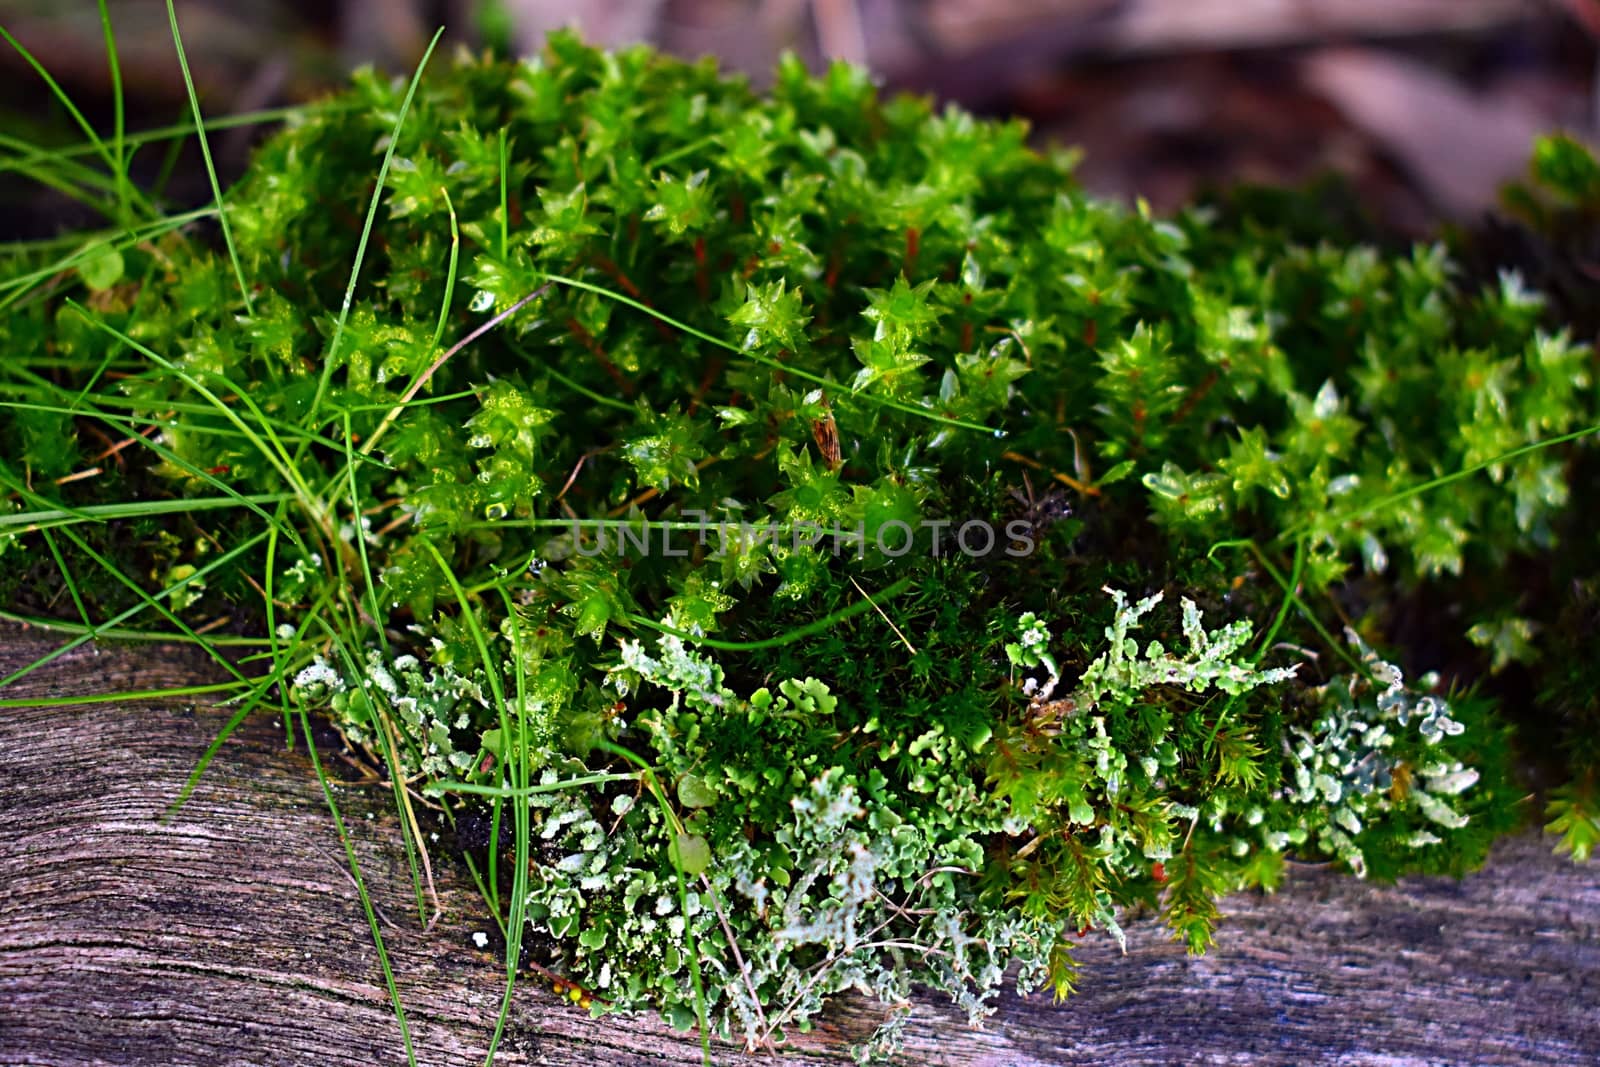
[1344, 768]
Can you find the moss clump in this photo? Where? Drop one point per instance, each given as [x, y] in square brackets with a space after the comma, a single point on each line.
[875, 561]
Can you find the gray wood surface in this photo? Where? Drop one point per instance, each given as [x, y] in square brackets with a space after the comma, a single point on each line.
[233, 934]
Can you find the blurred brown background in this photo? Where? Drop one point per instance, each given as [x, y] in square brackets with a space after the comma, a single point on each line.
[1426, 106]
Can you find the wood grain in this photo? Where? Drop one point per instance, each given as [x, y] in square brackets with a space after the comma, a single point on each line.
[233, 934]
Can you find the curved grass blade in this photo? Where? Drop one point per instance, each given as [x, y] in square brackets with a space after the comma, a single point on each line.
[1344, 517]
[33, 622]
[282, 665]
[361, 890]
[785, 638]
[174, 693]
[331, 359]
[205, 152]
[844, 392]
[61, 96]
[522, 829]
[119, 118]
[175, 132]
[110, 624]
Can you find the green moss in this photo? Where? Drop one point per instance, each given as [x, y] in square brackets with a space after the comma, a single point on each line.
[963, 556]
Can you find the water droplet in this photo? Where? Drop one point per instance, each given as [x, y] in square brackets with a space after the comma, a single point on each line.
[482, 300]
[495, 512]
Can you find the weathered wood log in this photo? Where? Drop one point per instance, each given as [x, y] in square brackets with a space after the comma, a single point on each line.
[233, 934]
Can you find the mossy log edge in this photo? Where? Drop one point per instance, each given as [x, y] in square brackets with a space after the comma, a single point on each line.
[234, 934]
